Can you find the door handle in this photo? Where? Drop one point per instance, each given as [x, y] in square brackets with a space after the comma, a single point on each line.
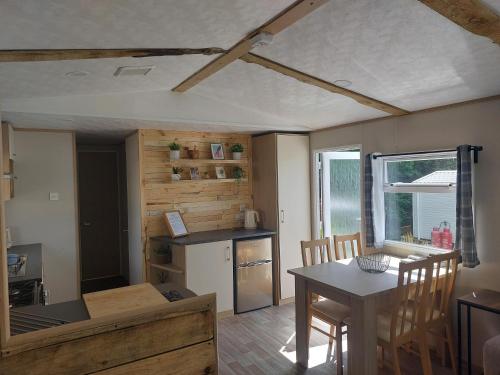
[86, 224]
[228, 254]
[282, 213]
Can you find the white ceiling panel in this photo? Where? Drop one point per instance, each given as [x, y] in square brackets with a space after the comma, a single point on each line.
[250, 85]
[130, 23]
[398, 51]
[48, 78]
[112, 130]
[118, 24]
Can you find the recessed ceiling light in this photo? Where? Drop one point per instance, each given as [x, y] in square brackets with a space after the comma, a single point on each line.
[342, 83]
[133, 70]
[77, 73]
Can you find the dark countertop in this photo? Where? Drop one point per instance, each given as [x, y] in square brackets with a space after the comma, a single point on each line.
[215, 236]
[75, 311]
[34, 269]
[71, 311]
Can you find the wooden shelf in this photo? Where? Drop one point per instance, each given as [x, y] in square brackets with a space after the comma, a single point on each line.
[196, 162]
[168, 267]
[154, 185]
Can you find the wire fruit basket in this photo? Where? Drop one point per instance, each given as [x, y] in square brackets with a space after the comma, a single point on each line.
[374, 263]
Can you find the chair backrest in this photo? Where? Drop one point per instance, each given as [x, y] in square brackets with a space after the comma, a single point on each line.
[443, 284]
[318, 250]
[340, 245]
[411, 299]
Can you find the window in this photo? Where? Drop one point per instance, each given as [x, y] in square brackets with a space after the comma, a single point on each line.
[420, 199]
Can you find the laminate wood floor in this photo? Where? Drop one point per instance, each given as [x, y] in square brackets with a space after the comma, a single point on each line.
[263, 342]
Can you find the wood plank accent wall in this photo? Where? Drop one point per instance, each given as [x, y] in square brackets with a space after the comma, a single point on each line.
[206, 204]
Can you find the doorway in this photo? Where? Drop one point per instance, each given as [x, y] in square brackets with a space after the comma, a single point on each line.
[102, 217]
[338, 194]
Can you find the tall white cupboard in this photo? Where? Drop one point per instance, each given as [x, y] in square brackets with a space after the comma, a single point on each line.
[281, 188]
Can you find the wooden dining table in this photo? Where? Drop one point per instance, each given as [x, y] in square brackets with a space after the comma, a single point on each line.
[344, 282]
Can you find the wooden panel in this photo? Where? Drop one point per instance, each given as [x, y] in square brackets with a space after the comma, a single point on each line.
[113, 301]
[284, 19]
[206, 204]
[472, 15]
[78, 54]
[173, 363]
[103, 343]
[311, 80]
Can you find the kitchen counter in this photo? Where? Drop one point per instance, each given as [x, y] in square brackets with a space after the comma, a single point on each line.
[214, 236]
[69, 312]
[34, 269]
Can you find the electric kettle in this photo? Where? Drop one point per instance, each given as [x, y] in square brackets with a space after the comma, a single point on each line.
[251, 219]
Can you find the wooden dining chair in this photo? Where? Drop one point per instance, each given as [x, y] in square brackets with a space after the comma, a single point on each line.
[340, 245]
[326, 310]
[405, 322]
[438, 320]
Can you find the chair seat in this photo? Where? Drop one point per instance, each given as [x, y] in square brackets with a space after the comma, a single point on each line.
[331, 309]
[384, 326]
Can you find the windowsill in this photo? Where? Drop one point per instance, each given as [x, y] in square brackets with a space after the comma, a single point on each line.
[404, 248]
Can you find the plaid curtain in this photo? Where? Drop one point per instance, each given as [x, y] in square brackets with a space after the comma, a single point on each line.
[465, 238]
[369, 230]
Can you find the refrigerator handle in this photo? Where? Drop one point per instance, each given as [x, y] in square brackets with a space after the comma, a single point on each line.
[228, 254]
[282, 212]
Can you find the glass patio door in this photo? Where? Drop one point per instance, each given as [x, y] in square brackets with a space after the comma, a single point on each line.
[340, 200]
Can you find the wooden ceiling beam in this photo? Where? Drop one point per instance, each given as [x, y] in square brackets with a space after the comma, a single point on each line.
[284, 19]
[472, 15]
[79, 54]
[318, 82]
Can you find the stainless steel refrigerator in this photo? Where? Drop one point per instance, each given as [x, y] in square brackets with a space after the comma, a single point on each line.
[253, 274]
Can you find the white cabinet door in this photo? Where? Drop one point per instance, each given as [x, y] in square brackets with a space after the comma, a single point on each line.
[209, 269]
[293, 205]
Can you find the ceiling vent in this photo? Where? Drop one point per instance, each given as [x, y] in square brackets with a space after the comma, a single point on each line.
[123, 71]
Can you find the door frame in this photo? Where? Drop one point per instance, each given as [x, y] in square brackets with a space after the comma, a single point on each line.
[81, 148]
[315, 185]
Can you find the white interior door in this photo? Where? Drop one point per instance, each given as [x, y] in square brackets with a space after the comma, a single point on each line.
[294, 205]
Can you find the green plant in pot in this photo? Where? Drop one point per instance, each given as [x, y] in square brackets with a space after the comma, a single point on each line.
[175, 151]
[176, 173]
[237, 149]
[238, 173]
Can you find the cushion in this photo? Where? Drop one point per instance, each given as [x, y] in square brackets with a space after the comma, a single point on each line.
[332, 309]
[491, 353]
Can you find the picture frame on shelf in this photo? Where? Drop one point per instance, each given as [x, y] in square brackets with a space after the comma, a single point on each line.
[220, 172]
[217, 151]
[195, 173]
[175, 224]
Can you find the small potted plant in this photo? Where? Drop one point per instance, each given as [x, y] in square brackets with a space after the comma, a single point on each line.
[176, 173]
[238, 173]
[237, 149]
[175, 151]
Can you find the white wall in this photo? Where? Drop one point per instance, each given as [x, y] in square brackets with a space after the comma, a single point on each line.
[45, 163]
[134, 209]
[473, 123]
